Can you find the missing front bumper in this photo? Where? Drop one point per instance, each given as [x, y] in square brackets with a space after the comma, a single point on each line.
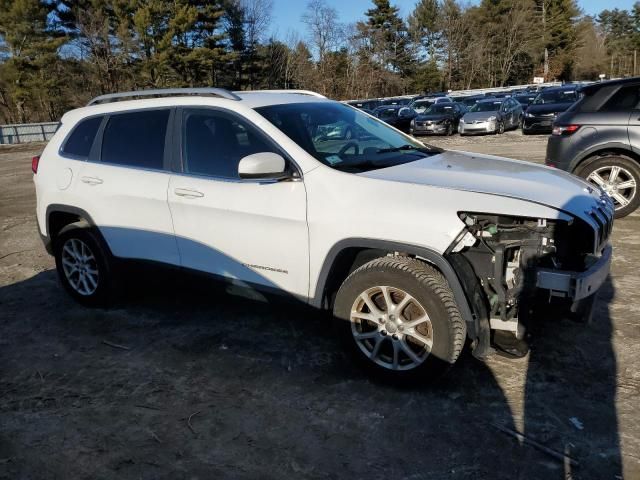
[576, 285]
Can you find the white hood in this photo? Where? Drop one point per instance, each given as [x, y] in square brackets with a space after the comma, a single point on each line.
[498, 176]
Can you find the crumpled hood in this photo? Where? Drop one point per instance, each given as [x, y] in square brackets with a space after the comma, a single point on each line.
[497, 176]
[548, 108]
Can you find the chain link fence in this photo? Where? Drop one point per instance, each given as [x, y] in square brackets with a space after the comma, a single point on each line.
[27, 132]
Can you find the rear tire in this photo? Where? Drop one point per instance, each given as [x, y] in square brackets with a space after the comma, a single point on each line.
[84, 265]
[612, 173]
[399, 319]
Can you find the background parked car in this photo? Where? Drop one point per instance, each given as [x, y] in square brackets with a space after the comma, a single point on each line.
[398, 116]
[547, 105]
[525, 99]
[420, 105]
[364, 104]
[491, 116]
[440, 118]
[598, 139]
[471, 100]
[338, 130]
[406, 100]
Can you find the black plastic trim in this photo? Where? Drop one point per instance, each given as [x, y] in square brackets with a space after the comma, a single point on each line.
[319, 298]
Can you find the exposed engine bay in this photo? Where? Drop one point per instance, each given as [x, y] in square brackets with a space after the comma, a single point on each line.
[498, 259]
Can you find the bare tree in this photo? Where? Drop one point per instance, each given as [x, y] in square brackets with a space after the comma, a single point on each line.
[325, 32]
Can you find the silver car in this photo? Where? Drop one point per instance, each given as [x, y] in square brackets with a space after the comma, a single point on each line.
[493, 115]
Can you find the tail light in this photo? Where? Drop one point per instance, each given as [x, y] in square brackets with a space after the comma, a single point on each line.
[564, 130]
[34, 163]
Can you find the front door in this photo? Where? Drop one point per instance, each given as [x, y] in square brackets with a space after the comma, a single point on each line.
[251, 231]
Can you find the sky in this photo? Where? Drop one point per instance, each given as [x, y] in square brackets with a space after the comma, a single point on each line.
[287, 13]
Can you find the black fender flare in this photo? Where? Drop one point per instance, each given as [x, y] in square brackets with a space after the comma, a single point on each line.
[58, 207]
[431, 256]
[602, 147]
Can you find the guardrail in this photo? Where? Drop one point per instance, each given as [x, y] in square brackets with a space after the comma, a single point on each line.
[27, 132]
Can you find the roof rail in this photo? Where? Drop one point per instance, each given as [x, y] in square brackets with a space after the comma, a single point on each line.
[164, 92]
[299, 92]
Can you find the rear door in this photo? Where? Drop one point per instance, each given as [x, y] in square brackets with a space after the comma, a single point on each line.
[624, 106]
[251, 231]
[124, 183]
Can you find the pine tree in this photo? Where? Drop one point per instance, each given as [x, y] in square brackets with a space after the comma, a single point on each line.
[31, 52]
[390, 37]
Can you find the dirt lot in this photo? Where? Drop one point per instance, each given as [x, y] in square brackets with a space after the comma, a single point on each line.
[213, 385]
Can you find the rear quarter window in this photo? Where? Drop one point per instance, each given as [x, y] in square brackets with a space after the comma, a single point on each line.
[80, 140]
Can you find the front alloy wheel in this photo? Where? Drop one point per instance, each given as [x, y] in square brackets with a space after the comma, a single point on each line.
[399, 319]
[391, 328]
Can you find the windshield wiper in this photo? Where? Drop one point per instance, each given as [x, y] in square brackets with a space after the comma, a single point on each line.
[407, 147]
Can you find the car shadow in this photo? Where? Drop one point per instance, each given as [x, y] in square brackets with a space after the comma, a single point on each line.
[182, 378]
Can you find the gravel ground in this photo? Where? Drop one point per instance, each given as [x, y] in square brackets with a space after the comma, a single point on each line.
[212, 385]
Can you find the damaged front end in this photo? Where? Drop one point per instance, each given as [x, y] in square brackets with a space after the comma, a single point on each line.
[509, 266]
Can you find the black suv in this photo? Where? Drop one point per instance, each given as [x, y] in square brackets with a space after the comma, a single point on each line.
[598, 139]
[548, 104]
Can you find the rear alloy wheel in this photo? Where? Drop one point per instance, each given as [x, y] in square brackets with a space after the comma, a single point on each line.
[80, 267]
[83, 264]
[400, 319]
[619, 177]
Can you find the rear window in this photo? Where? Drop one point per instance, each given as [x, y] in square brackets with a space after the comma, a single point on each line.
[79, 142]
[625, 99]
[136, 139]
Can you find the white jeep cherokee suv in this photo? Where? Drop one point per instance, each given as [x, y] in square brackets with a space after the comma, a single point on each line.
[414, 250]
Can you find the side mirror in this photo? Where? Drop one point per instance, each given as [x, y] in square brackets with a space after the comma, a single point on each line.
[262, 165]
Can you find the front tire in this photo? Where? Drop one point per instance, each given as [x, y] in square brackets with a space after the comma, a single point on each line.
[399, 319]
[500, 128]
[619, 177]
[84, 265]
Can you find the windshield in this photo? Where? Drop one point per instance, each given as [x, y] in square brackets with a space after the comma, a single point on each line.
[343, 137]
[387, 112]
[486, 107]
[422, 105]
[524, 99]
[440, 108]
[559, 96]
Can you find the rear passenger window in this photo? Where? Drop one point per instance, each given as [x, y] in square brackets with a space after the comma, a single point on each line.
[135, 139]
[215, 142]
[625, 99]
[79, 142]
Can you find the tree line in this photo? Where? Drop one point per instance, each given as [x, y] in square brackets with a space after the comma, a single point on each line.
[56, 54]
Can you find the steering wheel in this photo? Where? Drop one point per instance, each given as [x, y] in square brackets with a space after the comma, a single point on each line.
[354, 145]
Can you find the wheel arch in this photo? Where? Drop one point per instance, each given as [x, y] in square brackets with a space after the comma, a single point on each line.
[59, 216]
[608, 149]
[348, 254]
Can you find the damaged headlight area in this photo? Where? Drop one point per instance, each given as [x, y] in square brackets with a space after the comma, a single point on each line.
[499, 257]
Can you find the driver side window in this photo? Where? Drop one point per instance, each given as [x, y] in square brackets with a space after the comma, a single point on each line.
[214, 142]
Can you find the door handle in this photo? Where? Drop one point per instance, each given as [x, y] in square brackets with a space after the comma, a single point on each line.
[91, 180]
[188, 193]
